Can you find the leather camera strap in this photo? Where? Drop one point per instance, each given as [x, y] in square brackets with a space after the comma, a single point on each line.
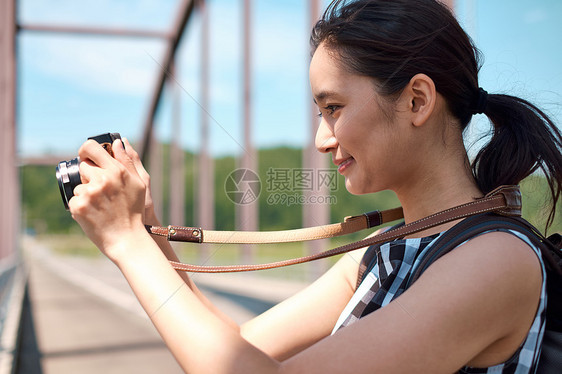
[504, 200]
[348, 226]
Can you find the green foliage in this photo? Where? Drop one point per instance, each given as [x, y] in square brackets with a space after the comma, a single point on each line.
[272, 215]
[537, 202]
[42, 207]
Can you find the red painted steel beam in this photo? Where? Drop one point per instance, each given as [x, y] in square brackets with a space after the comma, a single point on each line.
[9, 183]
[95, 31]
[247, 214]
[177, 159]
[205, 198]
[184, 13]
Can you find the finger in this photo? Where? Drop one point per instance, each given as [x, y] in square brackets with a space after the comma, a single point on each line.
[133, 154]
[129, 148]
[123, 157]
[79, 190]
[136, 159]
[77, 198]
[92, 150]
[87, 170]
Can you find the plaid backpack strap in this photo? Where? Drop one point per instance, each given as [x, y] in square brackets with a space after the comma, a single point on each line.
[475, 225]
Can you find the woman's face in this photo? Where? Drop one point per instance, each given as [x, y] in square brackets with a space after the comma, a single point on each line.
[368, 147]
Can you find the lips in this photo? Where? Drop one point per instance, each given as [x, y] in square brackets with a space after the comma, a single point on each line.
[343, 164]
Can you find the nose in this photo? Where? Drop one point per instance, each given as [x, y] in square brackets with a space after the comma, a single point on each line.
[325, 140]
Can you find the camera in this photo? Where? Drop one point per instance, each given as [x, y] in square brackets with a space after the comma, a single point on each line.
[68, 174]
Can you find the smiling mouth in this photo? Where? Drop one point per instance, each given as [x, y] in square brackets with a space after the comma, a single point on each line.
[344, 165]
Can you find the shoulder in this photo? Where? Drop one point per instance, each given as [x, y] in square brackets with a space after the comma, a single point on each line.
[498, 252]
[499, 258]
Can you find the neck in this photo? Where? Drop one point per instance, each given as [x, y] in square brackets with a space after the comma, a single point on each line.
[435, 190]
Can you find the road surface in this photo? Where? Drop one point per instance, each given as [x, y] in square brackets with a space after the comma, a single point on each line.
[81, 317]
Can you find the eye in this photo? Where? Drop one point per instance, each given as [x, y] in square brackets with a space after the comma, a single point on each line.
[330, 109]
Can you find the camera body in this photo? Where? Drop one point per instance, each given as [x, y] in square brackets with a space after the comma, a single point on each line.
[68, 173]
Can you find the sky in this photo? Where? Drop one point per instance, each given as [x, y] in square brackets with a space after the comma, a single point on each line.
[71, 87]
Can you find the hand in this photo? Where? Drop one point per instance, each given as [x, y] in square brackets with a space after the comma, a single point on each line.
[109, 204]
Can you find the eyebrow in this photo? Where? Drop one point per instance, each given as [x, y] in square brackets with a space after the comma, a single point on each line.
[323, 95]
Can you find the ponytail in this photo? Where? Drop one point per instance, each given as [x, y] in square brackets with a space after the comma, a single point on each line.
[524, 140]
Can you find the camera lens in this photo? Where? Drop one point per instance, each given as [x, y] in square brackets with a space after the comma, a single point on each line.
[68, 176]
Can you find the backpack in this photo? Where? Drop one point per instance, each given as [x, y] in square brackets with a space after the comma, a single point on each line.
[550, 360]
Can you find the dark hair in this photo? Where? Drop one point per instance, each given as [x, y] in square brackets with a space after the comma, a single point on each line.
[391, 41]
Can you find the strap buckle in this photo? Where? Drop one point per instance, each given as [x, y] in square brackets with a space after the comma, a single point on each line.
[512, 197]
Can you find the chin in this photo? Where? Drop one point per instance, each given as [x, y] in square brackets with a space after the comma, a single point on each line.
[361, 188]
[355, 189]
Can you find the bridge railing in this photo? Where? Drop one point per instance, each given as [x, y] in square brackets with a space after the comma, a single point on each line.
[13, 281]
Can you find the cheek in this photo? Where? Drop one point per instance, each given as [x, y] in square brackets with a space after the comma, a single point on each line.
[377, 163]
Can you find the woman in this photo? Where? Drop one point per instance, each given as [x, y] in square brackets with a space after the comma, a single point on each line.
[396, 83]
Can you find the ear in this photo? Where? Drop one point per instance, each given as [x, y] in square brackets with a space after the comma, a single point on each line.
[422, 97]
